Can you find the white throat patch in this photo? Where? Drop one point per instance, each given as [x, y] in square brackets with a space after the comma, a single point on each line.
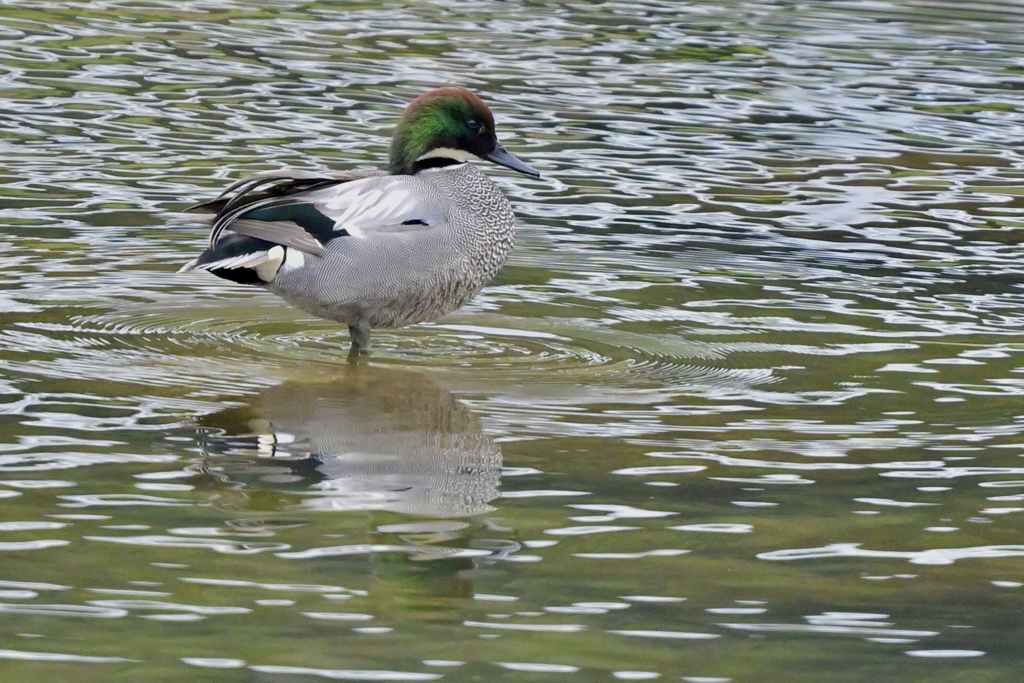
[460, 155]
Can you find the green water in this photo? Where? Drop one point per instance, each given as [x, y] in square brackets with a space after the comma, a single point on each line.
[745, 405]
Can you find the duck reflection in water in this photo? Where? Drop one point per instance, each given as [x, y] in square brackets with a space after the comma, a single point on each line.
[365, 438]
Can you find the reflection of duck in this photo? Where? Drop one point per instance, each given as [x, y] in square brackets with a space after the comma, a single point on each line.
[369, 438]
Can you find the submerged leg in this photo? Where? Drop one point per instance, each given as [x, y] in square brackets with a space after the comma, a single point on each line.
[360, 333]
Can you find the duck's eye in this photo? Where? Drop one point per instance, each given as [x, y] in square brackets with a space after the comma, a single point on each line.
[473, 123]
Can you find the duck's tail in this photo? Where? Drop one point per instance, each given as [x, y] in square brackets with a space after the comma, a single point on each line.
[245, 260]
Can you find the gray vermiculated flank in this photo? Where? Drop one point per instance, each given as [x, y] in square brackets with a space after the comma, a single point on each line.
[392, 279]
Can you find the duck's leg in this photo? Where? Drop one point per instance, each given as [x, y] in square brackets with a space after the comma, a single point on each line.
[360, 333]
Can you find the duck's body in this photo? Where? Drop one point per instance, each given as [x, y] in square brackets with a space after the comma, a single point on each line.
[412, 273]
[376, 249]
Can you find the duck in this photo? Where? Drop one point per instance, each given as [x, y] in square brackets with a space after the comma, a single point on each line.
[383, 248]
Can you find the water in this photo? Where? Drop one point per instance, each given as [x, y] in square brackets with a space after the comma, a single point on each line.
[744, 406]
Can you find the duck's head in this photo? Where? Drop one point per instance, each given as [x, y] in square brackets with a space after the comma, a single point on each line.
[448, 125]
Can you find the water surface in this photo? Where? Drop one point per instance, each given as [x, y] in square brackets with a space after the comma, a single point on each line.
[744, 405]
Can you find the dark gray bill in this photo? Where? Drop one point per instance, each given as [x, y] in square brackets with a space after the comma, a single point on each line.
[503, 157]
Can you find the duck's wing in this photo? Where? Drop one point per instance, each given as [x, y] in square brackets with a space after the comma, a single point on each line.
[275, 183]
[277, 205]
[304, 211]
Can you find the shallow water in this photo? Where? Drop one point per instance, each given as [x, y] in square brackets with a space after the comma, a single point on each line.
[744, 406]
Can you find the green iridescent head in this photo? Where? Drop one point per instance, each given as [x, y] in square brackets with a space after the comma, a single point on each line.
[448, 125]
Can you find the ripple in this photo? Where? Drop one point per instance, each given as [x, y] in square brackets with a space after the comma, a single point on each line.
[671, 635]
[60, 657]
[93, 612]
[41, 544]
[614, 512]
[33, 586]
[832, 629]
[214, 663]
[657, 552]
[298, 588]
[121, 500]
[161, 606]
[544, 628]
[716, 528]
[418, 552]
[218, 545]
[533, 667]
[345, 674]
[542, 494]
[932, 556]
[339, 616]
[30, 526]
[588, 530]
